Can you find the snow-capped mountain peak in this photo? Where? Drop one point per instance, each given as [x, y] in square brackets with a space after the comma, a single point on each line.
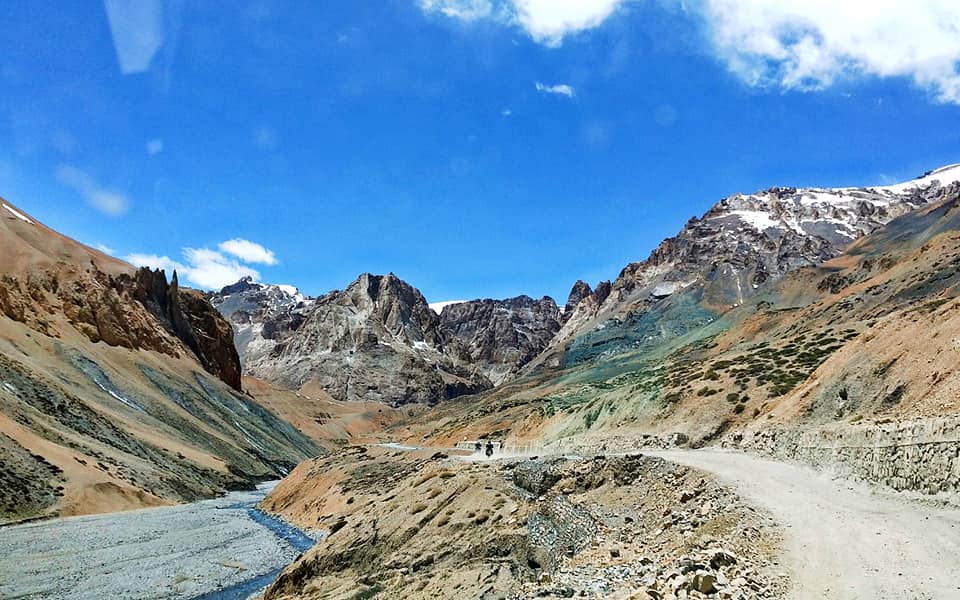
[744, 240]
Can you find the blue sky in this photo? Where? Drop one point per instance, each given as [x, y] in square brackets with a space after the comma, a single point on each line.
[476, 148]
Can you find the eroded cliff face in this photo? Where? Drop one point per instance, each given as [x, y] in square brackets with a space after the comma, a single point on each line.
[136, 310]
[501, 336]
[379, 339]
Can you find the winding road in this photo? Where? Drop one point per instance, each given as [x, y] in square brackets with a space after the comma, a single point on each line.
[842, 541]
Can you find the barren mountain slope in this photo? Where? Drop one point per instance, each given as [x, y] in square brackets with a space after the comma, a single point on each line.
[870, 335]
[262, 315]
[328, 422]
[117, 389]
[422, 524]
[377, 340]
[719, 261]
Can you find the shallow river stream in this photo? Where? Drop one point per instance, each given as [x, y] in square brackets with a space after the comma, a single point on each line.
[215, 550]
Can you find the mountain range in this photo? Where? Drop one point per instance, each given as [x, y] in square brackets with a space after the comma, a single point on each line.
[119, 388]
[379, 340]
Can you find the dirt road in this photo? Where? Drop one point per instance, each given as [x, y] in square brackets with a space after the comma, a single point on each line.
[842, 541]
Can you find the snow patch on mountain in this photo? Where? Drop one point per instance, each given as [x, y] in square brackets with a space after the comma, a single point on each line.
[18, 214]
[945, 175]
[438, 307]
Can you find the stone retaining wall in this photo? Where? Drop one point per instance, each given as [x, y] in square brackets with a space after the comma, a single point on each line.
[921, 455]
[557, 528]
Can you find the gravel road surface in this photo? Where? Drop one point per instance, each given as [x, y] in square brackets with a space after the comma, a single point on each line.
[842, 541]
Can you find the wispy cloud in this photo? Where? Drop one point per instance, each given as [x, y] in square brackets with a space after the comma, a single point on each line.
[809, 44]
[467, 10]
[548, 22]
[561, 89]
[211, 269]
[110, 202]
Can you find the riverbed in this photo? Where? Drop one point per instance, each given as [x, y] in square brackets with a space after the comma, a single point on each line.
[217, 549]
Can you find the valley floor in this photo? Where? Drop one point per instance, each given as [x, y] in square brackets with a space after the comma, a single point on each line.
[841, 541]
[182, 551]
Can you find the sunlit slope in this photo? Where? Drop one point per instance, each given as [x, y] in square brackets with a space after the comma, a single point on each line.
[117, 389]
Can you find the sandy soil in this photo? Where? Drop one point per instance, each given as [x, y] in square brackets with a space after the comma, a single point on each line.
[172, 552]
[842, 541]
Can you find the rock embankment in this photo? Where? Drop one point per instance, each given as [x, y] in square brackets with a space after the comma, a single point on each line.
[919, 455]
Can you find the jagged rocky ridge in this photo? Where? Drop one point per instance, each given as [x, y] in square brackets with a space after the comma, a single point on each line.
[501, 336]
[379, 339]
[261, 315]
[376, 340]
[136, 311]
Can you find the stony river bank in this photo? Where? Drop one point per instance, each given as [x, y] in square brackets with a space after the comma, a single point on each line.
[217, 549]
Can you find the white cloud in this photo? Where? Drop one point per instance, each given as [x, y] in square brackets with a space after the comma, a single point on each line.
[546, 21]
[792, 44]
[105, 249]
[809, 44]
[154, 147]
[155, 261]
[549, 21]
[506, 112]
[561, 89]
[109, 202]
[247, 251]
[211, 269]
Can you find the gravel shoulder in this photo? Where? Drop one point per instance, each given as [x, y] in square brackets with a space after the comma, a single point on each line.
[841, 540]
[172, 552]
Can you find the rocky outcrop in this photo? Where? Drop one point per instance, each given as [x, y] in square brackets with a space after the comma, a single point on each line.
[380, 340]
[580, 290]
[501, 336]
[136, 311]
[190, 317]
[376, 340]
[103, 391]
